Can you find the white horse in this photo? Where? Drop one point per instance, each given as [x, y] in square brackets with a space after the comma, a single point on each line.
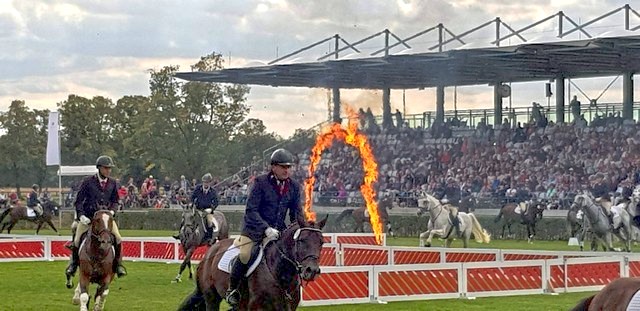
[441, 223]
[599, 223]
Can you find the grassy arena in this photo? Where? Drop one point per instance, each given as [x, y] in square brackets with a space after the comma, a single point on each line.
[36, 286]
[148, 286]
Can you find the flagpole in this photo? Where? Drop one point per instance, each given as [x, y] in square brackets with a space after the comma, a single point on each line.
[59, 177]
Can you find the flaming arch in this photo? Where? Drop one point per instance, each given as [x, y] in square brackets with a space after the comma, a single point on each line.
[358, 140]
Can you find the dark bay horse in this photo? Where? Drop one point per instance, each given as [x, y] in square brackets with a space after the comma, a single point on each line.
[275, 284]
[360, 215]
[616, 296]
[97, 256]
[17, 213]
[193, 235]
[530, 217]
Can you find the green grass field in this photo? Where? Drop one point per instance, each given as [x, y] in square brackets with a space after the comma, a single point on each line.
[37, 286]
[149, 287]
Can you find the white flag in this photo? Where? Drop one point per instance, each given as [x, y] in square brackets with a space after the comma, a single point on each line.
[53, 142]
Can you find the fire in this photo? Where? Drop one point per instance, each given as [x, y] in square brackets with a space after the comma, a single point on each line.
[353, 137]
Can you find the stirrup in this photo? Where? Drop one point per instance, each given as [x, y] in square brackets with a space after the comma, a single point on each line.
[233, 297]
[121, 271]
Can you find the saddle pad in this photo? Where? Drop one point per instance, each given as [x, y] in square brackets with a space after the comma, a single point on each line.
[30, 212]
[634, 304]
[579, 215]
[226, 262]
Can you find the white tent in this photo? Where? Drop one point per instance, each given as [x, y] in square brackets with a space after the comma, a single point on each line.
[83, 170]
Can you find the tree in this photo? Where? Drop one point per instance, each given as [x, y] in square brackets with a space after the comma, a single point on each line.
[86, 129]
[22, 147]
[188, 126]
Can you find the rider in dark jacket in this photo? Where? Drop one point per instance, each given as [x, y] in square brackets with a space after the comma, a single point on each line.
[205, 199]
[271, 196]
[33, 201]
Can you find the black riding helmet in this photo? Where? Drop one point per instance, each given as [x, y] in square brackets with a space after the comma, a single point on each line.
[282, 157]
[35, 187]
[105, 161]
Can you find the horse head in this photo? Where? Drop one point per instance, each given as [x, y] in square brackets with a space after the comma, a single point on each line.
[189, 216]
[538, 209]
[426, 203]
[301, 244]
[51, 206]
[101, 226]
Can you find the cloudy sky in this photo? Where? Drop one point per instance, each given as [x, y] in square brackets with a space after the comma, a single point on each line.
[50, 49]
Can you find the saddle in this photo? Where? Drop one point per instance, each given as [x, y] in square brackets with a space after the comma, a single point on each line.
[521, 208]
[30, 212]
[231, 255]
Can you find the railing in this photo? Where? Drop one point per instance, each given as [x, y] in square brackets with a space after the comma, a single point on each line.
[518, 114]
[368, 273]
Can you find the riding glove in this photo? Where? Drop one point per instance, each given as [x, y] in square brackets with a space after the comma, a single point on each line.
[85, 220]
[272, 233]
[208, 210]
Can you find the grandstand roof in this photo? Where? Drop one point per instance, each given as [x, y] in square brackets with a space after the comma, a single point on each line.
[519, 63]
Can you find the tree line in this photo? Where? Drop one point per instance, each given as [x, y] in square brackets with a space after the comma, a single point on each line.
[181, 128]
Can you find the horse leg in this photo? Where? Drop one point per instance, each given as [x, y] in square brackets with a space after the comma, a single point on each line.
[101, 296]
[13, 223]
[186, 261]
[213, 301]
[50, 223]
[38, 228]
[76, 295]
[84, 295]
[422, 236]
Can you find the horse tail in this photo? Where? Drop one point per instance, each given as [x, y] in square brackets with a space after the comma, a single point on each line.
[195, 300]
[342, 215]
[499, 216]
[481, 235]
[584, 304]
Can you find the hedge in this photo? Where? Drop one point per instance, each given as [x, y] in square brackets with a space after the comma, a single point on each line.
[547, 228]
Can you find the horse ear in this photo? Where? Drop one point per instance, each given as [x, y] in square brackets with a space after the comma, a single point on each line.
[301, 221]
[323, 222]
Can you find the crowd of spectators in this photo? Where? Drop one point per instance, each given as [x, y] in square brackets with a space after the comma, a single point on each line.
[551, 161]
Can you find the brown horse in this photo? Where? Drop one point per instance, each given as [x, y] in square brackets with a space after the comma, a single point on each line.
[529, 218]
[97, 256]
[275, 284]
[17, 213]
[194, 235]
[616, 296]
[360, 217]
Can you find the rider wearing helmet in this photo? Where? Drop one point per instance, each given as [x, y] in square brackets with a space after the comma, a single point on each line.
[33, 201]
[271, 196]
[600, 191]
[97, 192]
[205, 199]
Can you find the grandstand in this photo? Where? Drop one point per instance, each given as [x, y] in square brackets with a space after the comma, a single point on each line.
[550, 152]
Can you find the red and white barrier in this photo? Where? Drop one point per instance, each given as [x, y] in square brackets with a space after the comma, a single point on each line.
[365, 273]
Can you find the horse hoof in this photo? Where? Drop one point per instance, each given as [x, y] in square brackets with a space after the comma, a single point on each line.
[176, 281]
[75, 301]
[427, 245]
[69, 284]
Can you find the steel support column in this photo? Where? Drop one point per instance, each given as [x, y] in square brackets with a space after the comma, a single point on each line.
[387, 121]
[440, 104]
[560, 99]
[336, 104]
[497, 104]
[627, 96]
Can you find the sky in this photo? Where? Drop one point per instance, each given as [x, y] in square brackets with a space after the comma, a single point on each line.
[50, 49]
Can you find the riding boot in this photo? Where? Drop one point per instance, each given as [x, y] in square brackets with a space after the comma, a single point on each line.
[237, 274]
[610, 217]
[117, 264]
[75, 258]
[177, 235]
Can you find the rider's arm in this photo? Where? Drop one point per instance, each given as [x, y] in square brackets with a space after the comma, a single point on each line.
[214, 200]
[114, 198]
[252, 214]
[194, 195]
[80, 197]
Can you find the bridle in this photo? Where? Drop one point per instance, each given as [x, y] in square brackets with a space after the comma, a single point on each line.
[295, 262]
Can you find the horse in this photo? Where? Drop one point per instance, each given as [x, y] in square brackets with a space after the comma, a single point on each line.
[361, 215]
[619, 295]
[441, 223]
[599, 223]
[193, 235]
[275, 282]
[17, 213]
[97, 257]
[529, 218]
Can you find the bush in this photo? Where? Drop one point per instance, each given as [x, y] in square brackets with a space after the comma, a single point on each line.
[547, 228]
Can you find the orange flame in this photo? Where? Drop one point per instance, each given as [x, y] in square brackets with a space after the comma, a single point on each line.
[353, 137]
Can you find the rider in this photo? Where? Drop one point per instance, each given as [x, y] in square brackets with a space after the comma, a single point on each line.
[452, 196]
[271, 196]
[33, 201]
[600, 191]
[204, 198]
[97, 192]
